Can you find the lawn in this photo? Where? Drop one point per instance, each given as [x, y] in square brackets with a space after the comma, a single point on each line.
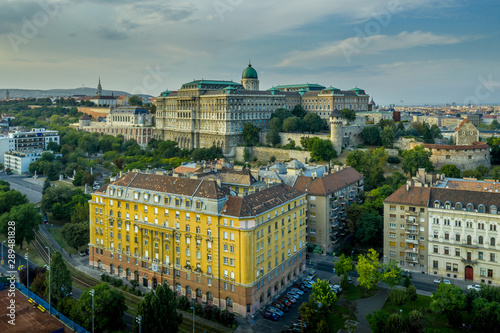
[433, 320]
[356, 292]
[336, 319]
[33, 254]
[57, 234]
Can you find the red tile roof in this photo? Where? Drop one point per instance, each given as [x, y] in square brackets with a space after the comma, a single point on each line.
[417, 196]
[329, 183]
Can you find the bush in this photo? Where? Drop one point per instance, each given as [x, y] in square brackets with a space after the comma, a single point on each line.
[183, 303]
[411, 293]
[393, 159]
[397, 296]
[134, 284]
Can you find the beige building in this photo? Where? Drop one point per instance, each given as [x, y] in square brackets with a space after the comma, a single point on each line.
[328, 199]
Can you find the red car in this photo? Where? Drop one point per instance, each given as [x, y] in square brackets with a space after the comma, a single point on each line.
[285, 301]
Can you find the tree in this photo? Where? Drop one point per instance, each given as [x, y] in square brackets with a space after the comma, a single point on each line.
[496, 172]
[246, 154]
[78, 179]
[11, 199]
[322, 294]
[387, 136]
[60, 278]
[416, 321]
[80, 213]
[273, 138]
[377, 321]
[451, 171]
[46, 185]
[394, 324]
[282, 114]
[158, 310]
[134, 100]
[76, 234]
[342, 267]
[415, 159]
[26, 218]
[391, 273]
[353, 216]
[322, 150]
[250, 134]
[52, 171]
[449, 300]
[313, 123]
[38, 284]
[291, 124]
[109, 307]
[119, 162]
[368, 269]
[370, 164]
[371, 136]
[369, 229]
[485, 315]
[59, 194]
[275, 124]
[298, 111]
[310, 314]
[348, 114]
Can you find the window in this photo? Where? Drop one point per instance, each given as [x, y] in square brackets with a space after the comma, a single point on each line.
[470, 207]
[448, 266]
[457, 252]
[436, 249]
[480, 240]
[482, 272]
[446, 250]
[492, 257]
[455, 267]
[446, 235]
[492, 241]
[392, 235]
[457, 237]
[392, 225]
[480, 256]
[490, 273]
[435, 264]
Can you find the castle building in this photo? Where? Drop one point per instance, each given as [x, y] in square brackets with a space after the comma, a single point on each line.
[205, 113]
[234, 252]
[132, 122]
[100, 100]
[448, 228]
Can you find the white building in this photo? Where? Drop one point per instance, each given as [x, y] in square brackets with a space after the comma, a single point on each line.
[36, 139]
[19, 162]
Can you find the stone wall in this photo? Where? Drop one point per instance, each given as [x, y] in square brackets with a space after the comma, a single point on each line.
[404, 143]
[264, 154]
[94, 112]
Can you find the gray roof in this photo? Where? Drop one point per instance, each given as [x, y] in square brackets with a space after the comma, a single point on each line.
[129, 110]
[278, 167]
[294, 164]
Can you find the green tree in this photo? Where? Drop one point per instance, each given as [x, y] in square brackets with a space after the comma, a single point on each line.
[38, 284]
[394, 324]
[109, 307]
[322, 294]
[298, 111]
[52, 171]
[415, 159]
[273, 138]
[482, 171]
[451, 171]
[370, 164]
[26, 218]
[282, 114]
[275, 124]
[342, 268]
[348, 114]
[371, 136]
[449, 300]
[369, 229]
[246, 154]
[76, 234]
[322, 150]
[353, 215]
[377, 321]
[313, 123]
[46, 185]
[387, 136]
[416, 321]
[158, 310]
[80, 213]
[250, 134]
[134, 100]
[78, 179]
[60, 278]
[291, 124]
[391, 273]
[11, 199]
[496, 173]
[58, 194]
[368, 269]
[485, 315]
[310, 314]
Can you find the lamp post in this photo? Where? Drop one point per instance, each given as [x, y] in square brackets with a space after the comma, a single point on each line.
[92, 293]
[50, 308]
[138, 320]
[28, 273]
[352, 253]
[192, 308]
[2, 252]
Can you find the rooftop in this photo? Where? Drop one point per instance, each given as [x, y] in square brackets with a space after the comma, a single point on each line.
[328, 183]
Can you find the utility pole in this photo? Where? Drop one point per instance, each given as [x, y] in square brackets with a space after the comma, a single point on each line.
[28, 273]
[50, 308]
[92, 293]
[192, 308]
[138, 320]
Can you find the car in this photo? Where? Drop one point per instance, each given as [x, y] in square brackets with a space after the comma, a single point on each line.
[335, 291]
[312, 275]
[338, 287]
[271, 315]
[21, 267]
[276, 310]
[303, 287]
[298, 291]
[307, 280]
[279, 306]
[29, 176]
[82, 253]
[308, 284]
[442, 281]
[474, 286]
[349, 280]
[334, 270]
[406, 273]
[285, 301]
[292, 297]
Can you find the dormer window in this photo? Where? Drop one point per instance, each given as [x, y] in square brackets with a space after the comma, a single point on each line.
[156, 198]
[481, 209]
[447, 205]
[177, 202]
[146, 196]
[458, 206]
[136, 195]
[493, 210]
[470, 207]
[436, 204]
[198, 204]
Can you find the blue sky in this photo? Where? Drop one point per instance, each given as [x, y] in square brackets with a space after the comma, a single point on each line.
[419, 51]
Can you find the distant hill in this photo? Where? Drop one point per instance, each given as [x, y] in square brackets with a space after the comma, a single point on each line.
[86, 91]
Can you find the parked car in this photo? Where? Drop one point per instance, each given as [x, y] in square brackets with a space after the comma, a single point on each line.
[279, 306]
[405, 273]
[337, 286]
[442, 281]
[308, 284]
[285, 301]
[271, 315]
[474, 286]
[82, 253]
[291, 299]
[298, 291]
[276, 310]
[312, 275]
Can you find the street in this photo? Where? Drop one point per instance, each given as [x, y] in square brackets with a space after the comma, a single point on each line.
[25, 186]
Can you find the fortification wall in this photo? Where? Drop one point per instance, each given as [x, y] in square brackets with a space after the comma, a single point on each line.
[264, 154]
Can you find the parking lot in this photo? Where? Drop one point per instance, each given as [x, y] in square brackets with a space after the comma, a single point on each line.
[266, 325]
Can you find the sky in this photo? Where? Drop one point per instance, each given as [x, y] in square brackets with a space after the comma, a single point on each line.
[400, 52]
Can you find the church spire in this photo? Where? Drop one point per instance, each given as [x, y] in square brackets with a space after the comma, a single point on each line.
[99, 88]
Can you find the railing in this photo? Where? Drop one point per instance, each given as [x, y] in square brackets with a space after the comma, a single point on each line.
[412, 259]
[412, 213]
[469, 261]
[411, 241]
[471, 245]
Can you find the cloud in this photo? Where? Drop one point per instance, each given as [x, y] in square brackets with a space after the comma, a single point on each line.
[355, 46]
[111, 33]
[13, 14]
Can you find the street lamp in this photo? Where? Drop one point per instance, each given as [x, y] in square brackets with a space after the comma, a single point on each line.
[192, 308]
[352, 253]
[28, 273]
[138, 320]
[50, 308]
[2, 252]
[92, 293]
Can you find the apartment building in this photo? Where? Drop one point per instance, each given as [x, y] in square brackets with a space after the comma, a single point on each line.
[235, 252]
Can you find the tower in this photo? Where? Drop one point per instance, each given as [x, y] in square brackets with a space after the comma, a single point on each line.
[7, 95]
[99, 88]
[336, 135]
[250, 79]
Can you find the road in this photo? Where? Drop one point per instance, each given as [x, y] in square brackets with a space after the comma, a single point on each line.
[23, 185]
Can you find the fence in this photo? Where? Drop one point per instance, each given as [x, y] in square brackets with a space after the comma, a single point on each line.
[70, 323]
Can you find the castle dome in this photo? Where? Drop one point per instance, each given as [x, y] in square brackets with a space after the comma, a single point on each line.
[249, 73]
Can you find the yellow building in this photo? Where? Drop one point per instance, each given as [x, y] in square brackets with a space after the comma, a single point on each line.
[230, 251]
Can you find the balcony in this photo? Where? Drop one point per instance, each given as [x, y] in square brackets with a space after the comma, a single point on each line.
[469, 245]
[177, 266]
[469, 261]
[411, 250]
[411, 213]
[411, 232]
[411, 222]
[412, 259]
[156, 261]
[411, 241]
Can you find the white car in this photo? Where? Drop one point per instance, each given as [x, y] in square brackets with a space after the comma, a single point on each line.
[298, 291]
[336, 286]
[275, 310]
[474, 286]
[442, 281]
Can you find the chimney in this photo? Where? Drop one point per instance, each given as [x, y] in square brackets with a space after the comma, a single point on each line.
[314, 175]
[121, 174]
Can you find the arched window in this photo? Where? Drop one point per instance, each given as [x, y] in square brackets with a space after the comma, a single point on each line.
[111, 212]
[492, 241]
[470, 207]
[493, 210]
[198, 292]
[458, 206]
[210, 297]
[188, 291]
[480, 240]
[229, 302]
[469, 240]
[436, 204]
[447, 205]
[481, 209]
[178, 287]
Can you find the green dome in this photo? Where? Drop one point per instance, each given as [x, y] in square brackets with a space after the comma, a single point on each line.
[249, 73]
